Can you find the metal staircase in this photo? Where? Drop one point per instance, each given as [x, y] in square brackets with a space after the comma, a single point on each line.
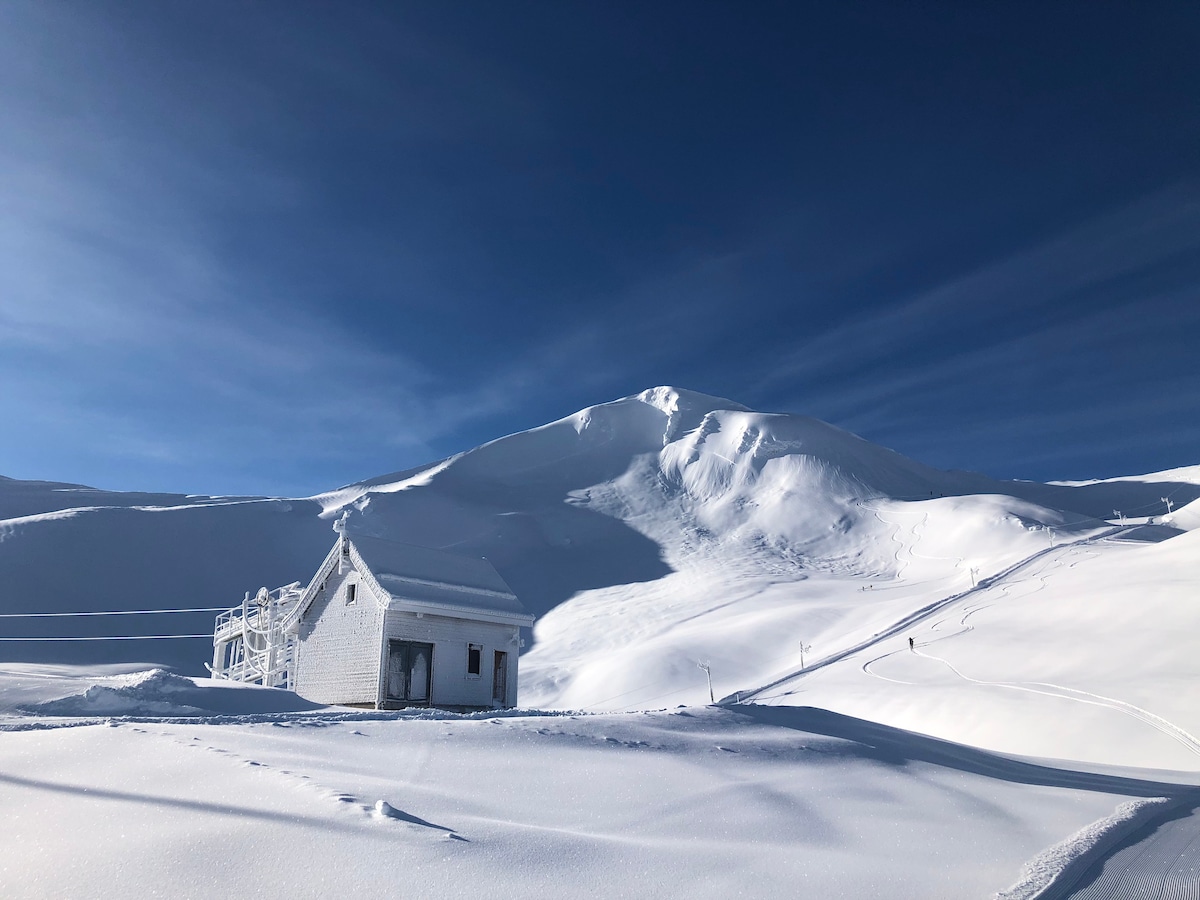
[249, 641]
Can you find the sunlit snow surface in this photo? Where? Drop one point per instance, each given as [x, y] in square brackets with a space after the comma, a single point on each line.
[691, 802]
[649, 535]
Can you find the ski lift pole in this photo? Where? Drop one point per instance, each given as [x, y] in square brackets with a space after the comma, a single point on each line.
[244, 653]
[708, 672]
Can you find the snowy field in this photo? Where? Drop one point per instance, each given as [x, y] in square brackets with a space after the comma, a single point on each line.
[710, 802]
[1038, 736]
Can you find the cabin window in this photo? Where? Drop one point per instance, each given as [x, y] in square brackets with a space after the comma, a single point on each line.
[351, 594]
[475, 660]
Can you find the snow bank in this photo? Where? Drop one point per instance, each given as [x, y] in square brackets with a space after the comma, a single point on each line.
[1059, 865]
[157, 692]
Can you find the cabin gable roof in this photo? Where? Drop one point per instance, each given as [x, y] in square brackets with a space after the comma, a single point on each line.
[421, 579]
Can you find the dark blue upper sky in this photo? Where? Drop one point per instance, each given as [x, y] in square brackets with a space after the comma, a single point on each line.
[275, 247]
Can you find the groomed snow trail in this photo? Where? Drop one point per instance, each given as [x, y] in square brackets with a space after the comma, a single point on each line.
[1057, 869]
[1163, 865]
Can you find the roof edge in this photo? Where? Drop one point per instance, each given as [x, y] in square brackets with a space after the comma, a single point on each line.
[449, 585]
[461, 612]
[386, 599]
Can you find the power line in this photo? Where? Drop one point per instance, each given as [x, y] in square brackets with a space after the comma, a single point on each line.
[132, 637]
[115, 612]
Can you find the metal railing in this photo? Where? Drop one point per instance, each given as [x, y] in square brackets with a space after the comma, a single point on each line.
[249, 641]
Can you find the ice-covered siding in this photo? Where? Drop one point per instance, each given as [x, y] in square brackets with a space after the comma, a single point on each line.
[452, 685]
[338, 652]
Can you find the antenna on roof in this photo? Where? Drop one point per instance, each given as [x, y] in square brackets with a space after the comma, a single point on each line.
[340, 527]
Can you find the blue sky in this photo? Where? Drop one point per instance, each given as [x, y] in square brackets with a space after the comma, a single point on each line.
[277, 247]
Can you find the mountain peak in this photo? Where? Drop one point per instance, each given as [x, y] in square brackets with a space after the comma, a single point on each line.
[682, 406]
[673, 400]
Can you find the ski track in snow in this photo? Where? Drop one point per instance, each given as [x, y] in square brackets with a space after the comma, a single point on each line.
[901, 565]
[1092, 865]
[1057, 690]
[1168, 728]
[919, 615]
[909, 549]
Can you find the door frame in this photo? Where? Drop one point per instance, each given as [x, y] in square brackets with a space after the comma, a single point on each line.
[500, 677]
[391, 702]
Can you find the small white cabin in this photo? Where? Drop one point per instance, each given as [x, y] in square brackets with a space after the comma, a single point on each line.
[389, 625]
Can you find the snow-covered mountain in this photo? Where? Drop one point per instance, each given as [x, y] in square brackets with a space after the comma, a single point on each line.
[657, 532]
[847, 602]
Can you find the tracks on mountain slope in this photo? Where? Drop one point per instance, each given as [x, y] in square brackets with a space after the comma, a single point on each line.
[1171, 730]
[918, 616]
[1189, 742]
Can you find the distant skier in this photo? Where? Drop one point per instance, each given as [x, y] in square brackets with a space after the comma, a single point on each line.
[910, 644]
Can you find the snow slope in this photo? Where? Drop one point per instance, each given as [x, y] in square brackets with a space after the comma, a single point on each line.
[1088, 652]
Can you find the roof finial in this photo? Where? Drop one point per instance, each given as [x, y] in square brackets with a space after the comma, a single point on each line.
[340, 527]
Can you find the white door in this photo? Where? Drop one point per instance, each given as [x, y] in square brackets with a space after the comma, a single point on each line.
[500, 679]
[410, 666]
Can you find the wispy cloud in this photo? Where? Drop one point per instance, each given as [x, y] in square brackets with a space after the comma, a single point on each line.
[1066, 331]
[1023, 293]
[226, 251]
[124, 316]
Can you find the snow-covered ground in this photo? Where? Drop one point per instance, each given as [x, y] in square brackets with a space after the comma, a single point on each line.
[709, 802]
[649, 535]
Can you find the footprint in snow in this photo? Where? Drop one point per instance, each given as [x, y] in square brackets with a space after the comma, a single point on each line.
[385, 810]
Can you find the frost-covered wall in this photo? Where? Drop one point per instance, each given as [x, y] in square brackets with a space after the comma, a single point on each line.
[338, 652]
[452, 685]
